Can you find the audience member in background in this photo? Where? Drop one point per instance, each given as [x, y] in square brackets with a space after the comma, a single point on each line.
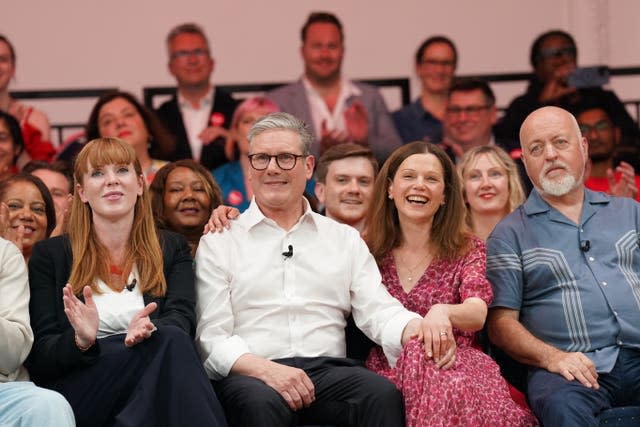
[553, 57]
[198, 115]
[344, 183]
[58, 178]
[183, 195]
[435, 63]
[11, 145]
[277, 352]
[469, 119]
[120, 115]
[34, 123]
[112, 305]
[435, 267]
[491, 187]
[31, 213]
[233, 177]
[338, 110]
[21, 402]
[564, 269]
[604, 139]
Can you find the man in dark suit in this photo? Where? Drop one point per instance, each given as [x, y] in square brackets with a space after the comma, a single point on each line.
[198, 115]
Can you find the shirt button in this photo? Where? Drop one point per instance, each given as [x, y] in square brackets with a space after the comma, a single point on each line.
[619, 342]
[591, 258]
[604, 283]
[582, 230]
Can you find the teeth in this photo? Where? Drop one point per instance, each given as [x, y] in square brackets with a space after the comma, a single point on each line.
[417, 199]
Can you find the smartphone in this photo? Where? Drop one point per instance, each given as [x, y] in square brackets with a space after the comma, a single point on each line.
[584, 77]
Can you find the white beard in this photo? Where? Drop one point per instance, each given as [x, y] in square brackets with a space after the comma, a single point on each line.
[561, 186]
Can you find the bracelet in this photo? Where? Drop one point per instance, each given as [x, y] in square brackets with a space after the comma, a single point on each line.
[81, 348]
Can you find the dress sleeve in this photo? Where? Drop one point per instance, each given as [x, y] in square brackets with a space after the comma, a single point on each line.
[474, 281]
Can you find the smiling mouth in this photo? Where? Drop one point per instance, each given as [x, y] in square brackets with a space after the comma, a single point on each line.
[420, 200]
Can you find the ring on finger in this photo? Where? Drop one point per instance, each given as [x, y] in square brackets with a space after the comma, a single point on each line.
[443, 333]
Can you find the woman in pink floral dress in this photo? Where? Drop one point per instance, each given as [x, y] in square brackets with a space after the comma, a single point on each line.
[432, 264]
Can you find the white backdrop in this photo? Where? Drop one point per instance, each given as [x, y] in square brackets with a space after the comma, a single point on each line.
[85, 43]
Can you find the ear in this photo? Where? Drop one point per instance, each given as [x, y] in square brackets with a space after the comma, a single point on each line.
[494, 115]
[319, 190]
[141, 183]
[309, 163]
[80, 192]
[616, 135]
[390, 190]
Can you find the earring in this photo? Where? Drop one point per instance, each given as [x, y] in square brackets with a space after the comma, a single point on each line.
[390, 196]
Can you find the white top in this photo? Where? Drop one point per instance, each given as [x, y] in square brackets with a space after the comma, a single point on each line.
[252, 299]
[16, 336]
[116, 309]
[196, 120]
[319, 110]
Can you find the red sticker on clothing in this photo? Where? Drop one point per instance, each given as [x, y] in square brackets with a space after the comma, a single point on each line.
[235, 197]
[516, 153]
[217, 119]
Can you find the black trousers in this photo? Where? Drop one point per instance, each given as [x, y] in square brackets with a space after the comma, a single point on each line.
[159, 382]
[347, 394]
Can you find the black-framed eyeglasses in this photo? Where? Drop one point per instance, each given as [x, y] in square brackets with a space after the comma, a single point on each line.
[470, 110]
[566, 51]
[183, 54]
[600, 126]
[285, 161]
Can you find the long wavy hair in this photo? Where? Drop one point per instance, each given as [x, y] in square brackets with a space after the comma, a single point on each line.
[91, 260]
[449, 236]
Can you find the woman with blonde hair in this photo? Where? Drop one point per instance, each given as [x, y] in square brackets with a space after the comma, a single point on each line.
[431, 263]
[491, 187]
[112, 305]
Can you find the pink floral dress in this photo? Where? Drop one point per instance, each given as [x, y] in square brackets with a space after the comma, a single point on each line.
[472, 392]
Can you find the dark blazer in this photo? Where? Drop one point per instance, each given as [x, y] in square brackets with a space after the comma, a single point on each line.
[54, 352]
[213, 153]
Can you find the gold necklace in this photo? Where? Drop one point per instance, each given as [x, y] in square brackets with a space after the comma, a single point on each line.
[412, 270]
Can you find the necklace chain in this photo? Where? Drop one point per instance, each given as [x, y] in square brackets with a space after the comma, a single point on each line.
[412, 270]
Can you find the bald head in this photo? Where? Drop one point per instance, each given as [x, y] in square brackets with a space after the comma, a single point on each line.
[553, 150]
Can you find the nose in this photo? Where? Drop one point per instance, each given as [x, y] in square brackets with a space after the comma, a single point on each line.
[26, 214]
[111, 177]
[120, 121]
[550, 151]
[353, 186]
[188, 194]
[485, 182]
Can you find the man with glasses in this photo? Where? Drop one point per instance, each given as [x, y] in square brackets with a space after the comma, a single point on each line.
[338, 110]
[435, 63]
[553, 57]
[605, 173]
[273, 295]
[198, 115]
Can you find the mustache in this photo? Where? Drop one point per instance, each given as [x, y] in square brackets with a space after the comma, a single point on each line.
[558, 164]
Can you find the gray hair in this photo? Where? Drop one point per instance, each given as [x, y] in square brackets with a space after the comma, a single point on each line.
[186, 28]
[283, 121]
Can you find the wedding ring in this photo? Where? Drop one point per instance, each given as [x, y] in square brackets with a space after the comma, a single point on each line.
[443, 333]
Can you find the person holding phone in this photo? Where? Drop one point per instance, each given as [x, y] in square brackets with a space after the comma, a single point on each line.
[554, 57]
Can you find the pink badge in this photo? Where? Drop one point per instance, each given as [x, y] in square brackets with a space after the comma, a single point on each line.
[217, 119]
[235, 197]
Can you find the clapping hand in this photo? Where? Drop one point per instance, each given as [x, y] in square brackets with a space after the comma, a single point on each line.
[83, 316]
[140, 327]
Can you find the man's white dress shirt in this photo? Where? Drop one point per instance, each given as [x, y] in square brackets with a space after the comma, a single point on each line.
[253, 299]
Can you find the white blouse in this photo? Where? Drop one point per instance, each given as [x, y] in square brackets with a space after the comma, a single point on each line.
[116, 309]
